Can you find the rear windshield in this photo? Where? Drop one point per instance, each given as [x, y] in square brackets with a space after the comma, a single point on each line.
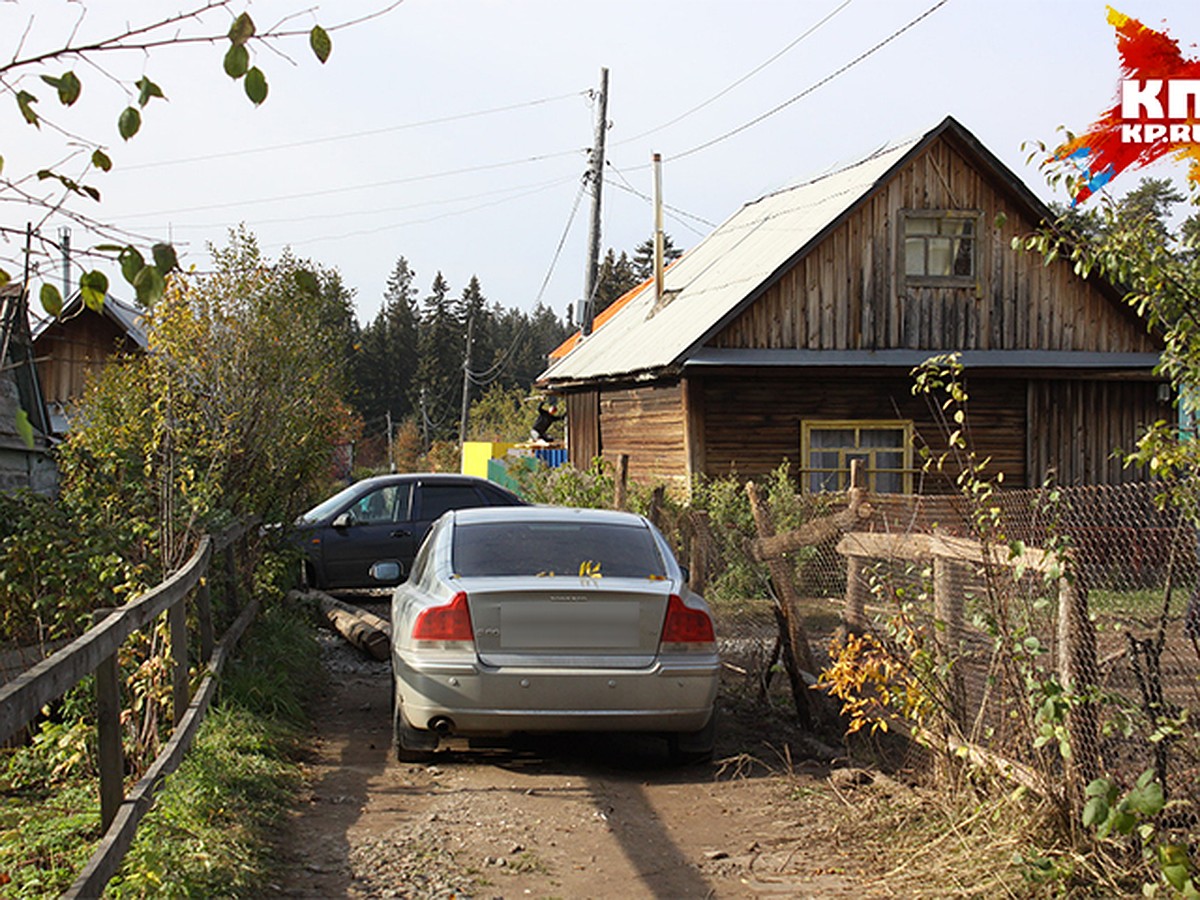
[556, 548]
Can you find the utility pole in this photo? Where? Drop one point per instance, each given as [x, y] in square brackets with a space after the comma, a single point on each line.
[466, 390]
[390, 452]
[597, 176]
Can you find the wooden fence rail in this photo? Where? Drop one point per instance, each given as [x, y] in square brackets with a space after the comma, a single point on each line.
[22, 699]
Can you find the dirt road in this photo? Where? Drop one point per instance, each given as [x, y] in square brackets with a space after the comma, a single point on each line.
[591, 816]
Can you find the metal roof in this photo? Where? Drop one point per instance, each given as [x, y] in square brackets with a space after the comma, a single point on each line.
[708, 282]
[128, 318]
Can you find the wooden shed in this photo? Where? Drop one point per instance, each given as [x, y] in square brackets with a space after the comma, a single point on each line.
[26, 462]
[791, 331]
[78, 342]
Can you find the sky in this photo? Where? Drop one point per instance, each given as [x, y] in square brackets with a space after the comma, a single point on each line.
[455, 133]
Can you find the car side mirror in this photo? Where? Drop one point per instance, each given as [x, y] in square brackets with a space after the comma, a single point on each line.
[687, 575]
[343, 520]
[386, 570]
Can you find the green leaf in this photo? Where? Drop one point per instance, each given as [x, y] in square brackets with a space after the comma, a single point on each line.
[241, 30]
[1147, 800]
[101, 160]
[52, 301]
[256, 86]
[149, 285]
[129, 122]
[93, 286]
[5, 278]
[1095, 811]
[25, 101]
[131, 263]
[68, 87]
[164, 258]
[1, 163]
[318, 39]
[146, 90]
[237, 61]
[24, 428]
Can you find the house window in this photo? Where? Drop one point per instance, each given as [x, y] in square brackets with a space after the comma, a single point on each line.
[940, 246]
[885, 448]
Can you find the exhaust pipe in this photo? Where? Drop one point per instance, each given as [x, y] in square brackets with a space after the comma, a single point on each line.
[441, 724]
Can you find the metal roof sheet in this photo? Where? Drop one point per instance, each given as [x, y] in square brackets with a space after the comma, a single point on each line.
[709, 281]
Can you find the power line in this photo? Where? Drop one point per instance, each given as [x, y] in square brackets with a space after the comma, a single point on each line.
[742, 80]
[677, 213]
[365, 187]
[828, 78]
[357, 134]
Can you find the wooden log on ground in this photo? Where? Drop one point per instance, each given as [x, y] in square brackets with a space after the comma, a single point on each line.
[366, 631]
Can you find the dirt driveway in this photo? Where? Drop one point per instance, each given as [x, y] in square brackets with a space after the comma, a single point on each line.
[592, 816]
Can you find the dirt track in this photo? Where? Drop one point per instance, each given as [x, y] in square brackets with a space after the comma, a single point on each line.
[570, 817]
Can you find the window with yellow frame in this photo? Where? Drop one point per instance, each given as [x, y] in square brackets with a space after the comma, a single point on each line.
[884, 446]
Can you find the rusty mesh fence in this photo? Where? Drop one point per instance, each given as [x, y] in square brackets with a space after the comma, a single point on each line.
[1074, 623]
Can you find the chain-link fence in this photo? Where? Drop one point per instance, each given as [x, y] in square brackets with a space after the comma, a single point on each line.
[1056, 632]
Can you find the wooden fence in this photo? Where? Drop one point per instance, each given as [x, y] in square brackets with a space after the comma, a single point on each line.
[22, 699]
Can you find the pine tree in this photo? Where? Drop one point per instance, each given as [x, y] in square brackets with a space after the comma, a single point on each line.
[388, 356]
[643, 256]
[615, 278]
[435, 392]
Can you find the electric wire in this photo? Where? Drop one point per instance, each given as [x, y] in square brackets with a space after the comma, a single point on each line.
[813, 87]
[228, 154]
[742, 80]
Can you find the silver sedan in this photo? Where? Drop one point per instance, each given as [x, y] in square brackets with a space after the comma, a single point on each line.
[538, 619]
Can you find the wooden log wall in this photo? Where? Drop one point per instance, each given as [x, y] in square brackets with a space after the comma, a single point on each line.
[647, 424]
[849, 292]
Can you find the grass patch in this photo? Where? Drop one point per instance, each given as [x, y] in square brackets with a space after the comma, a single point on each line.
[209, 833]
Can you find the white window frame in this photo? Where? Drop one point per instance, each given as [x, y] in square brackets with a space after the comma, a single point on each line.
[924, 278]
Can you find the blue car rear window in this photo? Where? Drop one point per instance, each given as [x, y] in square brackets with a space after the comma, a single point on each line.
[556, 549]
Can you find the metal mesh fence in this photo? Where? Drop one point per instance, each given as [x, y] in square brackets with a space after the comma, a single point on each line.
[1036, 622]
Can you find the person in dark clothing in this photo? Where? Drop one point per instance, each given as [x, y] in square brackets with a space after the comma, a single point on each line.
[546, 417]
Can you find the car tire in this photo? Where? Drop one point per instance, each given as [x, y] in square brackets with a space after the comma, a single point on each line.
[409, 744]
[687, 748]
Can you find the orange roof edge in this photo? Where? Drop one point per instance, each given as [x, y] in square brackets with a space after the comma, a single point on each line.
[611, 310]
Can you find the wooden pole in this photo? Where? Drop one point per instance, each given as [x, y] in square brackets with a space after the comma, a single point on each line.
[1077, 672]
[797, 654]
[111, 759]
[204, 618]
[949, 630]
[177, 622]
[621, 482]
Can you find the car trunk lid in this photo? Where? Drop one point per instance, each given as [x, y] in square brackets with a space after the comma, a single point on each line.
[552, 621]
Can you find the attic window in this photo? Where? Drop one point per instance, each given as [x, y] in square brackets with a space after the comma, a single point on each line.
[939, 246]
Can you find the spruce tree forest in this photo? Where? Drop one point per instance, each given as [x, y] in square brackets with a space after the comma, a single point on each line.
[404, 372]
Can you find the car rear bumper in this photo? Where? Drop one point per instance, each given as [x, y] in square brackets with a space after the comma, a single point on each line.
[668, 696]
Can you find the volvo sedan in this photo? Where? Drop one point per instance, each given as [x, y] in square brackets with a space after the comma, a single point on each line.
[547, 619]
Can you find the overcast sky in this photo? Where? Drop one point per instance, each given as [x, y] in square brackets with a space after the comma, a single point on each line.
[455, 132]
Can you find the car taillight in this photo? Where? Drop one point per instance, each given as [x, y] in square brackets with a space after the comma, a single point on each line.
[685, 625]
[449, 622]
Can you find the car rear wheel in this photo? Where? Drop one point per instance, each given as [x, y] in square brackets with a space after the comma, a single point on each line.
[410, 744]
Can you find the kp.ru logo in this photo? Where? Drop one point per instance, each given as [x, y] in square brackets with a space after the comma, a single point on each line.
[1158, 112]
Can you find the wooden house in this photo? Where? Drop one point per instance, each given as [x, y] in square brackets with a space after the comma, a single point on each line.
[78, 342]
[25, 458]
[791, 331]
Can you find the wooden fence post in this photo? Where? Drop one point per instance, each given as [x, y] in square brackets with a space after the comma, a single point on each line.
[948, 611]
[1077, 672]
[177, 622]
[854, 606]
[231, 576]
[797, 654]
[698, 557]
[204, 617]
[110, 758]
[621, 482]
[656, 504]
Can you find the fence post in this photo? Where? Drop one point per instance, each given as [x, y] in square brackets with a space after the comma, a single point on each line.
[621, 482]
[854, 605]
[797, 655]
[1077, 672]
[204, 616]
[177, 621]
[698, 557]
[110, 759]
[948, 631]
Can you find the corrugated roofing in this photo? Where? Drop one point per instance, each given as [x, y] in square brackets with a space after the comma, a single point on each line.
[709, 281]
